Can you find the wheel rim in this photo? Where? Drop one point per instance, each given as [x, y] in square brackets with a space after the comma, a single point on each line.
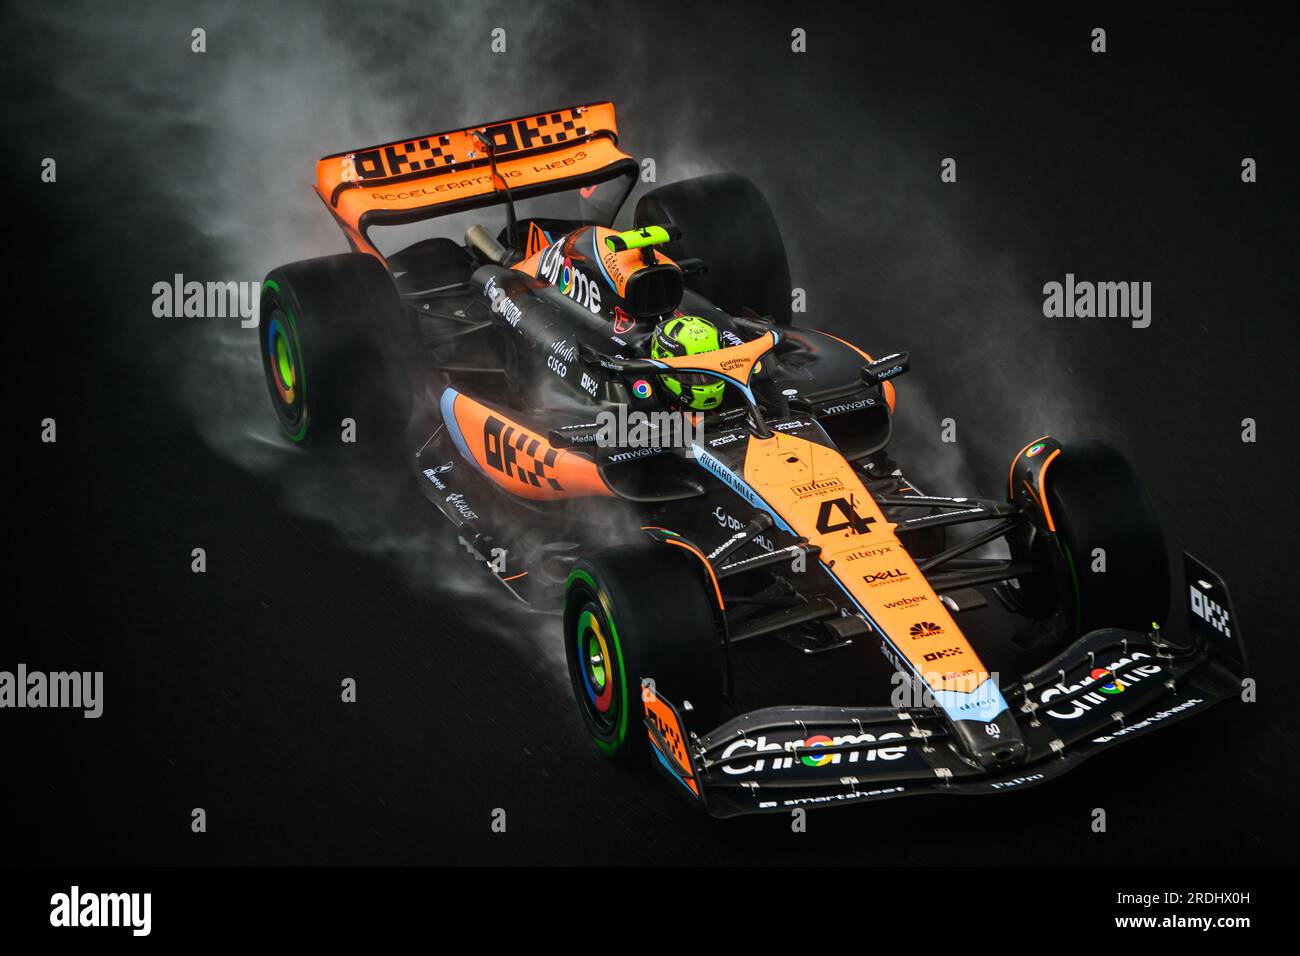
[282, 364]
[597, 668]
[284, 371]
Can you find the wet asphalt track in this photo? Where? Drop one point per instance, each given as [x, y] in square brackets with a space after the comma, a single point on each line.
[222, 688]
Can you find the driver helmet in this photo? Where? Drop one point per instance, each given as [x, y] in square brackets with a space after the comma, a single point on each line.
[688, 335]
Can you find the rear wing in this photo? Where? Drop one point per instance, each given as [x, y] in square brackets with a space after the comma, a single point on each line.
[443, 173]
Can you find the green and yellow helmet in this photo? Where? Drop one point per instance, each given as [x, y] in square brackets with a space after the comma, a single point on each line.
[688, 335]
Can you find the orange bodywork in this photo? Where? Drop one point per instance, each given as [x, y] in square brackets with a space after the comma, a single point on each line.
[1011, 476]
[619, 266]
[425, 172]
[888, 386]
[1034, 479]
[515, 457]
[1042, 489]
[673, 734]
[817, 493]
[536, 241]
[735, 362]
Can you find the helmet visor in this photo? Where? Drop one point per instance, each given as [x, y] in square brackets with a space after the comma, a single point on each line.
[694, 378]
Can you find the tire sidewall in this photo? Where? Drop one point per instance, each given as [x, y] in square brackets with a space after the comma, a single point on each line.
[1097, 502]
[726, 222]
[660, 624]
[583, 592]
[355, 353]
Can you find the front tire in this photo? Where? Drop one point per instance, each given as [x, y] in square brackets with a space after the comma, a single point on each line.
[1103, 518]
[336, 344]
[641, 610]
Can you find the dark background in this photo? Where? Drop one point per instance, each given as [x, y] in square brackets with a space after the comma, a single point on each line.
[222, 689]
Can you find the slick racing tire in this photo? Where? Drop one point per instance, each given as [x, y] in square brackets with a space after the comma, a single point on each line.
[1096, 501]
[641, 610]
[726, 222]
[336, 344]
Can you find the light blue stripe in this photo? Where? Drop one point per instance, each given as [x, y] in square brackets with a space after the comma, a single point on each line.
[710, 463]
[447, 406]
[954, 702]
[712, 373]
[596, 253]
[676, 776]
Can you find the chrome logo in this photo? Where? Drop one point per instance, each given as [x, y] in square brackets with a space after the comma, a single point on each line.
[641, 388]
[1113, 687]
[566, 275]
[1034, 450]
[821, 740]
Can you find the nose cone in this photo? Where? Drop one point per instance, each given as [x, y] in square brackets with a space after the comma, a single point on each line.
[1001, 756]
[993, 745]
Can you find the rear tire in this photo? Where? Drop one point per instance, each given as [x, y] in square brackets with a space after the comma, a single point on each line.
[1097, 502]
[641, 610]
[726, 222]
[336, 344]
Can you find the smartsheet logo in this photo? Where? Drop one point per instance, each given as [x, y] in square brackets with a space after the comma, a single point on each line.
[77, 690]
[1102, 300]
[75, 909]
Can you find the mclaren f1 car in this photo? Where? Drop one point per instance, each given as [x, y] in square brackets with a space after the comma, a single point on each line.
[626, 429]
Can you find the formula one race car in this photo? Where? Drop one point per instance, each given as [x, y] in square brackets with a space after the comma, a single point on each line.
[624, 426]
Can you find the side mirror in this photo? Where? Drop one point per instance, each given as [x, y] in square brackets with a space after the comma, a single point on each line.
[883, 369]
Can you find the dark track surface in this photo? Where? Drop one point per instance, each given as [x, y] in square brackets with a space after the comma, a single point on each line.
[222, 688]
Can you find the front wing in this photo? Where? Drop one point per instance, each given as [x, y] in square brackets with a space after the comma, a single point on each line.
[1108, 687]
